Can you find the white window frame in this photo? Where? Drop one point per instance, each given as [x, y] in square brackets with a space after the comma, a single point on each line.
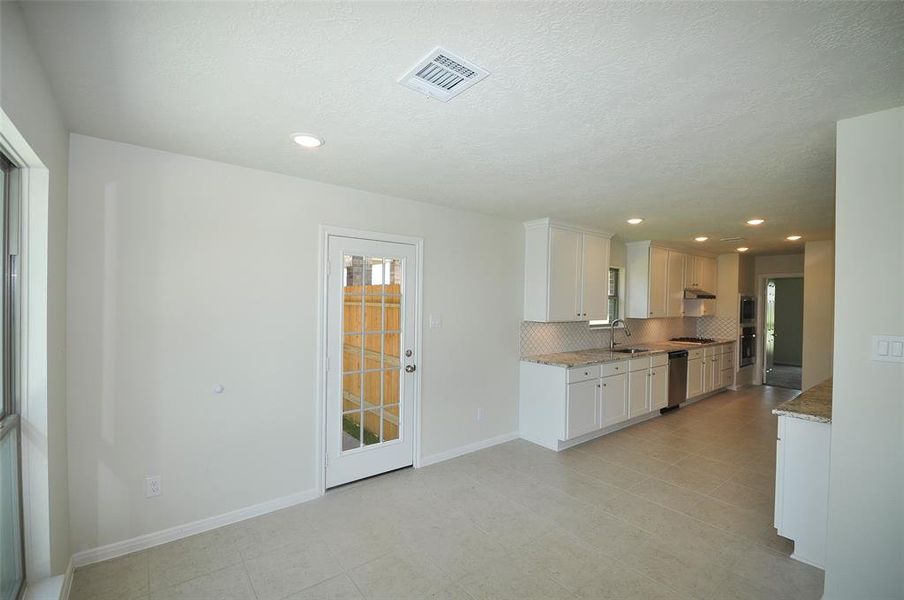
[604, 323]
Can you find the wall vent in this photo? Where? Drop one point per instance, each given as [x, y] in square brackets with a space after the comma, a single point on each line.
[732, 239]
[443, 75]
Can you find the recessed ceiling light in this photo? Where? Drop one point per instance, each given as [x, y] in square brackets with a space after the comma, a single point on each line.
[743, 249]
[306, 140]
[702, 238]
[756, 221]
[793, 238]
[635, 221]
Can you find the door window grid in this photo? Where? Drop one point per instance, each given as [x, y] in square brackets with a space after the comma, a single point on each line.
[371, 320]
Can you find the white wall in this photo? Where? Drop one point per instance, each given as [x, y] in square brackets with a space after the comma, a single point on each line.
[819, 297]
[26, 98]
[779, 264]
[866, 484]
[186, 273]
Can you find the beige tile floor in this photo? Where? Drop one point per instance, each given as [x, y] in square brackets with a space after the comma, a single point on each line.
[677, 507]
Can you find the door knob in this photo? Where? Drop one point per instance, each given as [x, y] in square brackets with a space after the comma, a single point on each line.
[410, 368]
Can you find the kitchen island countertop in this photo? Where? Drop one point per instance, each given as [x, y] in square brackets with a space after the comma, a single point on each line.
[813, 405]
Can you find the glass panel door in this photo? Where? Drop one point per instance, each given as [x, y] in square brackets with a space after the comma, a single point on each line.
[372, 369]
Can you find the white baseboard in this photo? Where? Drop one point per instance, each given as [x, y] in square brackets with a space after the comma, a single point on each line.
[462, 450]
[149, 540]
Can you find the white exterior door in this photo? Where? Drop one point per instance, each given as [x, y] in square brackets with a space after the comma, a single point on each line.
[371, 367]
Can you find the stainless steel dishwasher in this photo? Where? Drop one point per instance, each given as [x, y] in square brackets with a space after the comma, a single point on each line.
[677, 378]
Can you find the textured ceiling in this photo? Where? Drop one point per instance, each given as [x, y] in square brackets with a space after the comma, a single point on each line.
[695, 116]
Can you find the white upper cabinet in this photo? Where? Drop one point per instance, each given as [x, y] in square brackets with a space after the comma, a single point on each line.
[564, 275]
[675, 283]
[566, 272]
[657, 278]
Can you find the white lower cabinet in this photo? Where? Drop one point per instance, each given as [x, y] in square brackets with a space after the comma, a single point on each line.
[710, 369]
[694, 377]
[659, 387]
[614, 396]
[558, 406]
[583, 412]
[802, 486]
[638, 393]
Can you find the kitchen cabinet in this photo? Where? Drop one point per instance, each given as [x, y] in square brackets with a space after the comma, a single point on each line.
[658, 284]
[583, 410]
[566, 272]
[675, 284]
[694, 377]
[710, 369]
[802, 486]
[559, 406]
[700, 273]
[638, 393]
[657, 277]
[614, 398]
[659, 387]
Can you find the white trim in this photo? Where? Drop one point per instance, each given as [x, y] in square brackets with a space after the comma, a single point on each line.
[34, 199]
[548, 222]
[67, 581]
[149, 540]
[467, 449]
[325, 232]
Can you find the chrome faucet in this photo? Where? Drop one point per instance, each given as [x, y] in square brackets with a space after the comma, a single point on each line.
[612, 332]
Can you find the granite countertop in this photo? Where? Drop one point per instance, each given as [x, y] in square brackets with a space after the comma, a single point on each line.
[813, 405]
[594, 356]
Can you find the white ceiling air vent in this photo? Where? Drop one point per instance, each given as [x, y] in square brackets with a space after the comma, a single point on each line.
[443, 75]
[732, 239]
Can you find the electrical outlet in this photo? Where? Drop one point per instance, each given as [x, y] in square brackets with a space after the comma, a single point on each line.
[152, 486]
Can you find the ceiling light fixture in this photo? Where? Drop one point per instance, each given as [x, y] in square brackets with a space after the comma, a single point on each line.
[743, 249]
[635, 221]
[702, 238]
[756, 221]
[306, 140]
[792, 238]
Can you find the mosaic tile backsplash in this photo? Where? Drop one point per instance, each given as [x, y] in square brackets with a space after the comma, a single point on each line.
[717, 327]
[547, 338]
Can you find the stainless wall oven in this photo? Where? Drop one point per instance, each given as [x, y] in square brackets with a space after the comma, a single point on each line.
[748, 346]
[748, 310]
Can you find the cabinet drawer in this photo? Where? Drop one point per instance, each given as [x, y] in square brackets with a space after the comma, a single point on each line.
[576, 374]
[711, 351]
[726, 348]
[728, 361]
[659, 360]
[695, 353]
[614, 368]
[639, 364]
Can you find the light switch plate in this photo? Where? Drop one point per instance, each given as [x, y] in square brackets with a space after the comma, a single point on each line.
[888, 348]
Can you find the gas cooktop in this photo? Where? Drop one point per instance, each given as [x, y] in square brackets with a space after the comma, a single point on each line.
[693, 340]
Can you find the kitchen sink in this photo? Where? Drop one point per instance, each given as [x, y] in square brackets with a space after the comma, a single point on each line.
[631, 350]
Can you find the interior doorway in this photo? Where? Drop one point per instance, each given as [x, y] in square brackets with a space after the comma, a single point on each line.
[783, 322]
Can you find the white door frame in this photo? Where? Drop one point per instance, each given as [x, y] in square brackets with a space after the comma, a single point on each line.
[760, 361]
[321, 392]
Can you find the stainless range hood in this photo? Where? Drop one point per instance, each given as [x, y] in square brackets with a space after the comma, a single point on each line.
[698, 294]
